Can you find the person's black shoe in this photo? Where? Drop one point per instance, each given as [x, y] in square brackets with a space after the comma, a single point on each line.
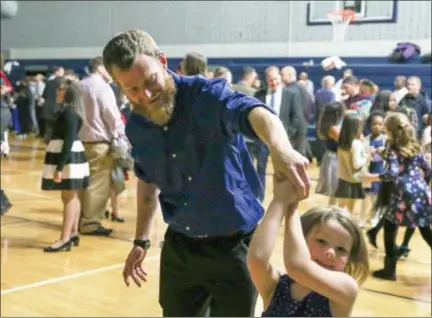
[100, 231]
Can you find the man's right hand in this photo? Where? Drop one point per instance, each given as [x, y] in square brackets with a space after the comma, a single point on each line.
[133, 266]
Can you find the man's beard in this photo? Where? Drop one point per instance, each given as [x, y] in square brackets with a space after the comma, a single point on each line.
[162, 110]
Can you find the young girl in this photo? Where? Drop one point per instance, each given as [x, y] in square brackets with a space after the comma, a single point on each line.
[374, 145]
[328, 130]
[66, 167]
[351, 161]
[324, 254]
[410, 201]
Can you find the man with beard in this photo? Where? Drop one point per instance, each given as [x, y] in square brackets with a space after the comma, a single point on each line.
[191, 159]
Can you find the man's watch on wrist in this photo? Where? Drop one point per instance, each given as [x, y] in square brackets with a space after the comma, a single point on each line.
[143, 243]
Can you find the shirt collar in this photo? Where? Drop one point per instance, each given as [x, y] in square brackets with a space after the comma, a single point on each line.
[277, 90]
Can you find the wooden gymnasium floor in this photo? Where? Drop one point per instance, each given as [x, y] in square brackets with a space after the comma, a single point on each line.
[87, 281]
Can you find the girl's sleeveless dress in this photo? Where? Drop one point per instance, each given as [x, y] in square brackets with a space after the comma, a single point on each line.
[283, 305]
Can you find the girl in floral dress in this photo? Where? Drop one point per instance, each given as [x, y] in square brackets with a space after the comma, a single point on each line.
[410, 200]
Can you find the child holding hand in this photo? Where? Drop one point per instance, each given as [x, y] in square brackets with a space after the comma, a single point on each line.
[325, 258]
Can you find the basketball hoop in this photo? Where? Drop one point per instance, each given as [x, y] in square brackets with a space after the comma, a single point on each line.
[340, 20]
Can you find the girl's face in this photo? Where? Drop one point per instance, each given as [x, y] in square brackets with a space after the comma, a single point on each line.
[392, 102]
[377, 125]
[330, 245]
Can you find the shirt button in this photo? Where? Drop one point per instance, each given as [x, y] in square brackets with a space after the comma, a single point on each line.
[187, 228]
[165, 128]
[174, 155]
[190, 178]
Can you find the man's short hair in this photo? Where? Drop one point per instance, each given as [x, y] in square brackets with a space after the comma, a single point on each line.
[95, 63]
[271, 68]
[247, 71]
[123, 48]
[194, 64]
[350, 80]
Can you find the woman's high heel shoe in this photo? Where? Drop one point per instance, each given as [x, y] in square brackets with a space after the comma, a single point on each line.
[114, 218]
[75, 240]
[65, 247]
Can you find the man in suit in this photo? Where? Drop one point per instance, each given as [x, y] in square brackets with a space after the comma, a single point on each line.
[286, 105]
[303, 107]
[248, 77]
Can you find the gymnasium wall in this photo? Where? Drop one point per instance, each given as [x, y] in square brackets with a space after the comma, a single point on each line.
[79, 29]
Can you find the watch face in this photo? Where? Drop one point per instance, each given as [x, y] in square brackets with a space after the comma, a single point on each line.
[142, 243]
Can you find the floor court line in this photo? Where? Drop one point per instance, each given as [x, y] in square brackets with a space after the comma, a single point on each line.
[67, 277]
[28, 193]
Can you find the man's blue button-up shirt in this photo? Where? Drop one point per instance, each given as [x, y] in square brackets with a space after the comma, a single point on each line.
[199, 160]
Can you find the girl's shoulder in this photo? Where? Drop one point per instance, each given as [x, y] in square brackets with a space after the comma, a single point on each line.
[356, 143]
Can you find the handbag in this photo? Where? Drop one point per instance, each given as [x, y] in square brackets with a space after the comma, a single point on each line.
[120, 153]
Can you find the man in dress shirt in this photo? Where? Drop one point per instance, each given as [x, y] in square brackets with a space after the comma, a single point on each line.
[103, 123]
[191, 159]
[400, 88]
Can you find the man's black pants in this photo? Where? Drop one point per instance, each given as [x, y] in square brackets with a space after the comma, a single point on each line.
[201, 276]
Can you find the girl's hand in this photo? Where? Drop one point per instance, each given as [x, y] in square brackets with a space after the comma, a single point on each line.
[368, 178]
[57, 176]
[283, 190]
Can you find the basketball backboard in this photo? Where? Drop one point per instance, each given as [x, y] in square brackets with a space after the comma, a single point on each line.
[366, 11]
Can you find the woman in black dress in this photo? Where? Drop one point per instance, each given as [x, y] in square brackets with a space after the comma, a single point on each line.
[66, 167]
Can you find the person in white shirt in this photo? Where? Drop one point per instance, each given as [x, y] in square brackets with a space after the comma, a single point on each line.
[400, 88]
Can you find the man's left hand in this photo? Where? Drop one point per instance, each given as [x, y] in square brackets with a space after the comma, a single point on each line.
[292, 165]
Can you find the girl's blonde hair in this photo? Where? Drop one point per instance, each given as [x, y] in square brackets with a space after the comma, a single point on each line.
[358, 263]
[403, 135]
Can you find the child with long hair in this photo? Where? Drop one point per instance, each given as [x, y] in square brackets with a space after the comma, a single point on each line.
[325, 258]
[328, 130]
[66, 168]
[351, 162]
[410, 200]
[374, 145]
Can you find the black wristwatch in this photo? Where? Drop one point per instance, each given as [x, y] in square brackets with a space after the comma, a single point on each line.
[144, 243]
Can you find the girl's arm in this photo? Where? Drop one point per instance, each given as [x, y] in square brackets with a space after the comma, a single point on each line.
[263, 275]
[359, 157]
[338, 287]
[334, 133]
[72, 124]
[391, 173]
[425, 165]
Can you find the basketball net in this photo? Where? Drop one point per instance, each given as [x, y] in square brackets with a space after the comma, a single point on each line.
[340, 20]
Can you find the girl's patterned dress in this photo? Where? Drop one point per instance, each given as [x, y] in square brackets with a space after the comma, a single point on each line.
[283, 305]
[410, 201]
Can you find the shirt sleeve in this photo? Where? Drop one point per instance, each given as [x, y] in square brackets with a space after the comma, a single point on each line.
[359, 157]
[111, 113]
[140, 172]
[72, 124]
[233, 108]
[393, 168]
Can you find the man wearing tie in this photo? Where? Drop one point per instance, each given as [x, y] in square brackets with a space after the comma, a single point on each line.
[283, 101]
